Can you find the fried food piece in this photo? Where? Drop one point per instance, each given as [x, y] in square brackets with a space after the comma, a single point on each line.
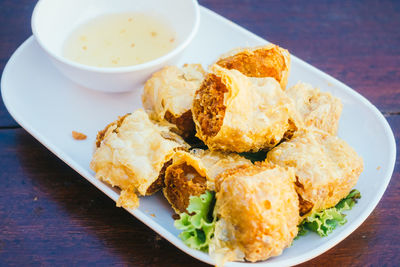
[192, 173]
[235, 113]
[318, 109]
[132, 153]
[258, 211]
[168, 95]
[260, 62]
[326, 168]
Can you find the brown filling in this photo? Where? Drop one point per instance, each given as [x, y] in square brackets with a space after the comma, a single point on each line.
[181, 182]
[305, 206]
[260, 63]
[118, 123]
[159, 183]
[290, 132]
[208, 106]
[184, 123]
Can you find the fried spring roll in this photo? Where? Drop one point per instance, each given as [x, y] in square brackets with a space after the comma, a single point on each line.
[192, 173]
[132, 154]
[168, 95]
[235, 113]
[326, 168]
[259, 62]
[318, 109]
[257, 210]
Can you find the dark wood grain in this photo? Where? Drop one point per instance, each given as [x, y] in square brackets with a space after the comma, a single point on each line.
[15, 28]
[49, 215]
[357, 42]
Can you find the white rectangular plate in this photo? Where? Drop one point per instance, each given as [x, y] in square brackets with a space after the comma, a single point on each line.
[50, 106]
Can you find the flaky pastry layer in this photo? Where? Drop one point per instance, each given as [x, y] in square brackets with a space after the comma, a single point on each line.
[168, 95]
[131, 154]
[316, 108]
[257, 210]
[326, 167]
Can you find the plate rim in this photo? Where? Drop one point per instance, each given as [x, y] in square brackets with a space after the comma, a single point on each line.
[347, 230]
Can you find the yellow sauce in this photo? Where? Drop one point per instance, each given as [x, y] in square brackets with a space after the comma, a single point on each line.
[118, 40]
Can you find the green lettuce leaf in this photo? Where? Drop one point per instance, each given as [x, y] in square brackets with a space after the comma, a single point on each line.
[198, 226]
[324, 222]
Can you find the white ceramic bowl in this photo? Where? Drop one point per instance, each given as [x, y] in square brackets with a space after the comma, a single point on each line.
[54, 20]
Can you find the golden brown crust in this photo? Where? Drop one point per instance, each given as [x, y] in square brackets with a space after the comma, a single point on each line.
[259, 62]
[208, 104]
[326, 167]
[257, 210]
[239, 171]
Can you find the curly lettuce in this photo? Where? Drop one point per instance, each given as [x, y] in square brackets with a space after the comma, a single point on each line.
[324, 222]
[198, 224]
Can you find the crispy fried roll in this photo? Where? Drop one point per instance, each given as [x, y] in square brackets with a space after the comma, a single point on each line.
[233, 112]
[132, 154]
[260, 62]
[191, 173]
[168, 95]
[318, 109]
[257, 211]
[326, 167]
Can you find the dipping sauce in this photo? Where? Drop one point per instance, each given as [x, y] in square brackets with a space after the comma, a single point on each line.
[118, 40]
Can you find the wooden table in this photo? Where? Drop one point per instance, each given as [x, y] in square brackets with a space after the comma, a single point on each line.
[50, 215]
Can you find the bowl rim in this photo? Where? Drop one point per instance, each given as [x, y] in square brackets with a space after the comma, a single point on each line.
[125, 69]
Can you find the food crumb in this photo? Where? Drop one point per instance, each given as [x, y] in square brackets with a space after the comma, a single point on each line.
[153, 215]
[153, 34]
[330, 84]
[132, 44]
[84, 47]
[172, 40]
[35, 199]
[130, 19]
[176, 216]
[378, 168]
[78, 135]
[123, 31]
